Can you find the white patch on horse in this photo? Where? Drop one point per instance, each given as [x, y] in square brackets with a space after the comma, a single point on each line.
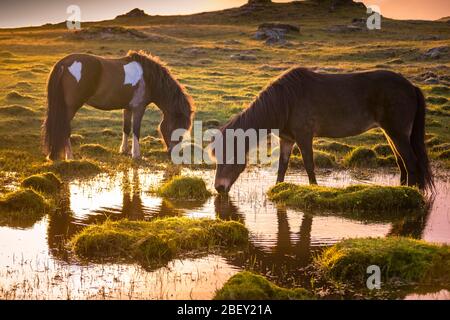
[135, 148]
[124, 145]
[133, 73]
[139, 95]
[75, 70]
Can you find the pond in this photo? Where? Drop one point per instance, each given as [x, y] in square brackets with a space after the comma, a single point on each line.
[35, 264]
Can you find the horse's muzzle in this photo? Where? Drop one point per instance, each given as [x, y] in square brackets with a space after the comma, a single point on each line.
[222, 189]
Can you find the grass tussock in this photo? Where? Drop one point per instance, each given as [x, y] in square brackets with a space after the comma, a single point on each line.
[321, 160]
[22, 206]
[187, 188]
[158, 239]
[74, 168]
[354, 198]
[16, 96]
[94, 150]
[45, 183]
[335, 147]
[403, 259]
[361, 157]
[249, 286]
[383, 150]
[15, 110]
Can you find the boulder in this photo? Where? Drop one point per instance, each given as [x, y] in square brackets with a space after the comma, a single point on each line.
[274, 33]
[437, 52]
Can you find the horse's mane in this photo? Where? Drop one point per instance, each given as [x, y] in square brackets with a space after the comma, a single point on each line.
[271, 108]
[167, 92]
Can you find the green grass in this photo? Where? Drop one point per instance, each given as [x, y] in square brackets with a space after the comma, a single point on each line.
[321, 160]
[184, 188]
[400, 259]
[354, 198]
[249, 286]
[22, 208]
[361, 157]
[45, 182]
[221, 87]
[157, 240]
[73, 168]
[94, 150]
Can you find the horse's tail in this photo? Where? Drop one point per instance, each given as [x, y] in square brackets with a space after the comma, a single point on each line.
[417, 139]
[56, 127]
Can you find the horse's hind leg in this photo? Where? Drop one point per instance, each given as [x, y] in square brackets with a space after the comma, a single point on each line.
[403, 147]
[398, 159]
[305, 144]
[285, 154]
[138, 113]
[126, 131]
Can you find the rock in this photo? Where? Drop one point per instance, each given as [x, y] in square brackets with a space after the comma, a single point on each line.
[345, 28]
[437, 52]
[242, 57]
[274, 33]
[431, 81]
[135, 13]
[231, 42]
[193, 51]
[282, 26]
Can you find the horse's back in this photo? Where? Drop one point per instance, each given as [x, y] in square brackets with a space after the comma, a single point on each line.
[96, 81]
[348, 104]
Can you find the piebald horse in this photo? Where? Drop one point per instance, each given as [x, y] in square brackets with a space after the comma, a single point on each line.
[303, 104]
[129, 83]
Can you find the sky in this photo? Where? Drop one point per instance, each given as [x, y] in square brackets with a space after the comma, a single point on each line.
[15, 13]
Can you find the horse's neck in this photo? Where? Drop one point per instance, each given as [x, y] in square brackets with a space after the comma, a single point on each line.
[258, 116]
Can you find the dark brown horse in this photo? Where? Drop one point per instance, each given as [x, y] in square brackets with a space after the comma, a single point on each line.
[129, 83]
[302, 105]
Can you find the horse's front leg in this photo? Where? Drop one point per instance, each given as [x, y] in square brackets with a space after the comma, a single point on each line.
[305, 143]
[126, 130]
[285, 154]
[68, 150]
[138, 114]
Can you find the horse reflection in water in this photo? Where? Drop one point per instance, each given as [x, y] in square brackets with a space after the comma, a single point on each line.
[290, 252]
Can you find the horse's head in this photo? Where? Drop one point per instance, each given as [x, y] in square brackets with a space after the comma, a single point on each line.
[169, 95]
[230, 162]
[168, 126]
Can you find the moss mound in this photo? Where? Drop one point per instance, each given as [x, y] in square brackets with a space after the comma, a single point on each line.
[22, 205]
[361, 157]
[76, 139]
[434, 141]
[16, 111]
[321, 160]
[354, 198]
[94, 150]
[444, 155]
[157, 239]
[388, 161]
[437, 100]
[334, 146]
[74, 167]
[249, 286]
[440, 147]
[16, 96]
[179, 187]
[403, 259]
[440, 90]
[46, 182]
[383, 150]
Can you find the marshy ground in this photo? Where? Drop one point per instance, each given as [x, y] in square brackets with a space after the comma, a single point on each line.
[223, 68]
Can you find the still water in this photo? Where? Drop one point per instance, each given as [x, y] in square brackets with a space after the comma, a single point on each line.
[35, 264]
